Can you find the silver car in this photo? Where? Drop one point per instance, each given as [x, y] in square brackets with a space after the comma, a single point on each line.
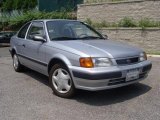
[76, 56]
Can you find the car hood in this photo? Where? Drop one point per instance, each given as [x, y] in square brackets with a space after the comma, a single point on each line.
[100, 48]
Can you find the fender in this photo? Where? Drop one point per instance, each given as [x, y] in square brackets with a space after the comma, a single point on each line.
[60, 57]
[12, 49]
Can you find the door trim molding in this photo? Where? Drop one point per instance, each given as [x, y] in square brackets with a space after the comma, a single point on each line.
[33, 60]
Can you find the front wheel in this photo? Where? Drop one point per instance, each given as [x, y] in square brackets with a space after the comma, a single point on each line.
[61, 81]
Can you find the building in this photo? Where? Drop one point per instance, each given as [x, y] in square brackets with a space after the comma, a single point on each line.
[56, 5]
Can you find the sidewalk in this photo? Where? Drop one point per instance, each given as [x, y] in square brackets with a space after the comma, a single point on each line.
[149, 55]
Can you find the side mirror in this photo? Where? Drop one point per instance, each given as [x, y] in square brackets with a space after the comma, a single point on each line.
[105, 36]
[38, 38]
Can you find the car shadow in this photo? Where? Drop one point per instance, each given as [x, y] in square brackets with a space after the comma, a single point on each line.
[99, 98]
[112, 96]
[37, 76]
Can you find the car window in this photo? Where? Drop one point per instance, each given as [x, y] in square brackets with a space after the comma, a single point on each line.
[53, 30]
[23, 31]
[81, 30]
[36, 29]
[71, 30]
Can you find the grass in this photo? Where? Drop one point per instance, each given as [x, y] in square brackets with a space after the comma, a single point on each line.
[100, 1]
[125, 22]
[153, 52]
[148, 23]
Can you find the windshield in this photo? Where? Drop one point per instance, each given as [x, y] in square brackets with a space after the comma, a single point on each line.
[71, 30]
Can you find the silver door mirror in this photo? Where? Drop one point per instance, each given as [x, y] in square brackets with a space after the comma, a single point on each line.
[38, 38]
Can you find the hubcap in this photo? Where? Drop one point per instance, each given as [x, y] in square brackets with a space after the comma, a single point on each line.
[61, 80]
[15, 61]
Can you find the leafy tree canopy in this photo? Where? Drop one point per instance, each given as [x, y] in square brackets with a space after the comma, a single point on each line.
[9, 5]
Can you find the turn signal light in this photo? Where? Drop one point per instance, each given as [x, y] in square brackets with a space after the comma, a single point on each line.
[86, 62]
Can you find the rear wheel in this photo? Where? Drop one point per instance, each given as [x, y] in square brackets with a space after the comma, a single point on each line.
[61, 81]
[16, 64]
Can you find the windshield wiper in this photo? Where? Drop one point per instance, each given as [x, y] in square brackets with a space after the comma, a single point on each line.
[91, 37]
[64, 38]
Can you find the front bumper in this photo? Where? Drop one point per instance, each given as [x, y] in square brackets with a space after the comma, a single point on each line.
[102, 78]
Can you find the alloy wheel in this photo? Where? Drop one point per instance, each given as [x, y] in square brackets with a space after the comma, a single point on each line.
[61, 80]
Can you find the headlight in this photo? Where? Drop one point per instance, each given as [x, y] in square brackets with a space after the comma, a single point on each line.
[143, 57]
[95, 62]
[102, 62]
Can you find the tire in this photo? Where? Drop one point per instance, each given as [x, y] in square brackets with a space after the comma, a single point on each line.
[16, 64]
[61, 81]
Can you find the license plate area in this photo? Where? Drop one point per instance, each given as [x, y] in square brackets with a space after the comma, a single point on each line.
[132, 75]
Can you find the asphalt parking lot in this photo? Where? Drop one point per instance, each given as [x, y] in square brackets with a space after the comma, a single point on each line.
[27, 96]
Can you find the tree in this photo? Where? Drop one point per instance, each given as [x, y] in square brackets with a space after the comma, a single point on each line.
[9, 5]
[17, 4]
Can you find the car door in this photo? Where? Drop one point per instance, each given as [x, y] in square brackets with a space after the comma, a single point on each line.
[35, 50]
[19, 41]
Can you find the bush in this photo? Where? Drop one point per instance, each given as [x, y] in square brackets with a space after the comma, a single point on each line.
[104, 24]
[14, 22]
[88, 21]
[148, 23]
[1, 27]
[127, 22]
[9, 5]
[96, 24]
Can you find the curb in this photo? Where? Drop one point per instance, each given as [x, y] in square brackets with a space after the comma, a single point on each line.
[4, 45]
[149, 55]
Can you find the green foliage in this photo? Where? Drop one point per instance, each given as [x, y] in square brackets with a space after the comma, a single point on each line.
[1, 27]
[17, 4]
[88, 21]
[96, 24]
[148, 23]
[153, 52]
[15, 21]
[9, 5]
[127, 22]
[100, 1]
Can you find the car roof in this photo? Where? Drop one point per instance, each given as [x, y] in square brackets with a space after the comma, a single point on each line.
[46, 20]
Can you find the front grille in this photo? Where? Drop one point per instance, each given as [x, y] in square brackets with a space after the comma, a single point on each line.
[127, 61]
[116, 81]
[123, 80]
